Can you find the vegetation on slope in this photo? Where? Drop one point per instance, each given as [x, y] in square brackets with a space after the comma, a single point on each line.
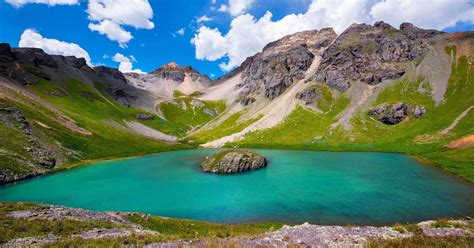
[90, 109]
[69, 230]
[188, 113]
[229, 126]
[305, 129]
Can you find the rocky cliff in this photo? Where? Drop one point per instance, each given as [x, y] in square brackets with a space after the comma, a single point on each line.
[281, 63]
[372, 54]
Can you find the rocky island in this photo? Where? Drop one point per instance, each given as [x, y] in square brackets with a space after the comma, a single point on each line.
[233, 161]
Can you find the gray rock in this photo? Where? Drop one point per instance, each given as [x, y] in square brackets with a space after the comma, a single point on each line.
[174, 72]
[419, 111]
[233, 161]
[145, 117]
[210, 112]
[247, 100]
[281, 63]
[392, 114]
[309, 96]
[371, 54]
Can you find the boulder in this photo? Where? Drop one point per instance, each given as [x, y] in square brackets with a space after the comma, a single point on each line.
[145, 117]
[233, 161]
[210, 112]
[309, 96]
[392, 114]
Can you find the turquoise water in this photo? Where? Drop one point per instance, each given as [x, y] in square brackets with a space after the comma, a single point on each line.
[297, 186]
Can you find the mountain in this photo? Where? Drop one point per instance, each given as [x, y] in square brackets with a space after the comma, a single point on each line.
[370, 88]
[169, 78]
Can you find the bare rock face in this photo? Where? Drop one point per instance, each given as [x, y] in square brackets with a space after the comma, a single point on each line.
[309, 95]
[281, 63]
[371, 54]
[392, 114]
[233, 161]
[145, 117]
[174, 72]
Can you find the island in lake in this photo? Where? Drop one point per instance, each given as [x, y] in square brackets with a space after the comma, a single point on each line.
[233, 161]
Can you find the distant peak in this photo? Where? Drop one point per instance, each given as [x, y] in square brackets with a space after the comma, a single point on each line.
[171, 65]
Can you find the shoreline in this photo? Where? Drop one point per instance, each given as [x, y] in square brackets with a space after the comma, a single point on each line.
[68, 166]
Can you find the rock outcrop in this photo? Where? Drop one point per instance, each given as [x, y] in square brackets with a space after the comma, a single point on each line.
[281, 63]
[371, 54]
[43, 155]
[145, 117]
[174, 72]
[392, 114]
[233, 161]
[309, 96]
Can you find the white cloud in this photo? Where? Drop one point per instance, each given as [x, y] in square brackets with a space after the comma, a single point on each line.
[248, 35]
[31, 38]
[126, 63]
[180, 32]
[236, 7]
[202, 19]
[110, 16]
[113, 31]
[424, 13]
[210, 44]
[19, 3]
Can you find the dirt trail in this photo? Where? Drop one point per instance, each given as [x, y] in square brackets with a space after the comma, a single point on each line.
[457, 120]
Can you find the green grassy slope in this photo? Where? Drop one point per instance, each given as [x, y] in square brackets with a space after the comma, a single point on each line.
[89, 108]
[169, 229]
[186, 116]
[306, 129]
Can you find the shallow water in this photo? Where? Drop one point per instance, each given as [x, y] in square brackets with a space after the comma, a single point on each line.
[296, 187]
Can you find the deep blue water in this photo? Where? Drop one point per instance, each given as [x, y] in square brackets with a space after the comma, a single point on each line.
[296, 187]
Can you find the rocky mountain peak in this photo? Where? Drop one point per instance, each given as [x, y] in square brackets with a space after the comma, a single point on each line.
[372, 54]
[173, 71]
[171, 66]
[281, 62]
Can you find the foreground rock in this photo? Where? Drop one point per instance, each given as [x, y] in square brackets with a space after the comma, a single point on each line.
[233, 161]
[122, 231]
[308, 235]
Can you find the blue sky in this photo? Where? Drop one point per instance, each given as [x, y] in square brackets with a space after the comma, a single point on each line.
[153, 47]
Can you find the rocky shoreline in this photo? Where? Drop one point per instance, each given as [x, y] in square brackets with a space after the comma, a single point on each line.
[304, 235]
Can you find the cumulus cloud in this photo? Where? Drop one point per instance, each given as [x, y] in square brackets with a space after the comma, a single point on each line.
[19, 3]
[109, 17]
[210, 44]
[236, 7]
[248, 35]
[113, 31]
[31, 38]
[126, 63]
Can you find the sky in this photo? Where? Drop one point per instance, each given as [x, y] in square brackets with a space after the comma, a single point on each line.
[213, 36]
